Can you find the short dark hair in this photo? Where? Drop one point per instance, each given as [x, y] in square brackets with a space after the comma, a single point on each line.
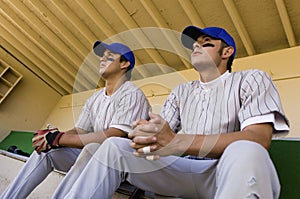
[123, 58]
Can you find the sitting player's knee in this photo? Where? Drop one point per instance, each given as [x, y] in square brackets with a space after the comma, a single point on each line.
[247, 150]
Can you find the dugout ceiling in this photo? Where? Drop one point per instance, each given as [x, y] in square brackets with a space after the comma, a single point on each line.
[53, 38]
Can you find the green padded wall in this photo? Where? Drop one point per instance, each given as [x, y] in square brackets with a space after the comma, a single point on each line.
[286, 157]
[21, 139]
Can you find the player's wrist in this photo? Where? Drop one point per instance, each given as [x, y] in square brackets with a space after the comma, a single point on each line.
[179, 142]
[53, 139]
[59, 138]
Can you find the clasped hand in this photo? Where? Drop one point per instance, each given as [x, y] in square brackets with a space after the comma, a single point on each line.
[154, 134]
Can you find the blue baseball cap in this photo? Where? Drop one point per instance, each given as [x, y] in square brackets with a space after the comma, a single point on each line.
[191, 33]
[99, 48]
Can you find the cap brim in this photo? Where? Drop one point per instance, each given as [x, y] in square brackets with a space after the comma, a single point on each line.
[99, 48]
[118, 48]
[189, 36]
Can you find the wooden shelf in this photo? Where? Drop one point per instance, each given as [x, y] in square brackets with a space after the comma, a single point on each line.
[9, 78]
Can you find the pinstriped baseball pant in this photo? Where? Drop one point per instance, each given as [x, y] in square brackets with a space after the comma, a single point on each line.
[37, 168]
[245, 170]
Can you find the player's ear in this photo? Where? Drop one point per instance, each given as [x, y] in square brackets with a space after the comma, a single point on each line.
[125, 64]
[227, 52]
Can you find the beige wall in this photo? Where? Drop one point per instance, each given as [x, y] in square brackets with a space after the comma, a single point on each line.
[29, 104]
[281, 65]
[290, 98]
[67, 110]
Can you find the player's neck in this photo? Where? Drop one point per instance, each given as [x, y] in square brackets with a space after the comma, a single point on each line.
[211, 73]
[112, 85]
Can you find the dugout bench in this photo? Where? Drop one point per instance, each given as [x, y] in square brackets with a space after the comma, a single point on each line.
[284, 152]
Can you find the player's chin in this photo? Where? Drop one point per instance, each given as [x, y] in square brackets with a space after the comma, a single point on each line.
[103, 73]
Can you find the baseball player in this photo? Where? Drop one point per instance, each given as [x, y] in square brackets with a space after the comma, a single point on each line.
[109, 112]
[226, 122]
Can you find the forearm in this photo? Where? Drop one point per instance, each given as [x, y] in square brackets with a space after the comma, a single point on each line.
[78, 138]
[211, 146]
[76, 131]
[214, 145]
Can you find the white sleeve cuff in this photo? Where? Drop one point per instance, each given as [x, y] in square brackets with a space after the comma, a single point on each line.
[125, 128]
[279, 123]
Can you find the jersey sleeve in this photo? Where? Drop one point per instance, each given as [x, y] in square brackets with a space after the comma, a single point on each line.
[84, 119]
[132, 106]
[171, 112]
[260, 102]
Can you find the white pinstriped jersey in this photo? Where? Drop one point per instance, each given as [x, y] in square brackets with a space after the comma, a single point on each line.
[224, 104]
[119, 110]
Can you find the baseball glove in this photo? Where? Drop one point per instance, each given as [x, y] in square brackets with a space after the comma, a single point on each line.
[46, 139]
